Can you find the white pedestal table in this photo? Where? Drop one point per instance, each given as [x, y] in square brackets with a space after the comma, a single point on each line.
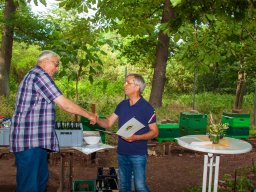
[202, 143]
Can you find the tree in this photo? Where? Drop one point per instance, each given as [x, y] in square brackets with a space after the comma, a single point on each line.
[6, 46]
[162, 54]
[77, 42]
[222, 39]
[10, 20]
[140, 19]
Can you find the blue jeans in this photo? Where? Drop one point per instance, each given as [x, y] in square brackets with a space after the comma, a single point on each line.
[32, 170]
[132, 165]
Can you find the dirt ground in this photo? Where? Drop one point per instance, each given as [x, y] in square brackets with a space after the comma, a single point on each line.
[170, 167]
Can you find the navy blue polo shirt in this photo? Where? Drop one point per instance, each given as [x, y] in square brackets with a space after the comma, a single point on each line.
[144, 113]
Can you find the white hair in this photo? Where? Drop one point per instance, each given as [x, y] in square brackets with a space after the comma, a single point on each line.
[47, 54]
[138, 80]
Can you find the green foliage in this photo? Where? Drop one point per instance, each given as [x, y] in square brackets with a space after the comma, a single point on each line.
[193, 189]
[78, 45]
[252, 131]
[133, 48]
[135, 22]
[217, 45]
[30, 28]
[242, 183]
[217, 42]
[206, 103]
[178, 78]
[36, 2]
[7, 105]
[216, 103]
[22, 63]
[213, 42]
[175, 2]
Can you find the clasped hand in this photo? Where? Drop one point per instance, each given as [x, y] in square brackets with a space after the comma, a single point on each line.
[93, 118]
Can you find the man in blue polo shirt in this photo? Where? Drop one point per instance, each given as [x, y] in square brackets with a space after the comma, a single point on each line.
[132, 151]
[32, 132]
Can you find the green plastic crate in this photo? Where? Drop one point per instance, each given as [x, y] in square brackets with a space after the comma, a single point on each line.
[88, 127]
[236, 121]
[192, 115]
[192, 131]
[240, 137]
[241, 115]
[168, 131]
[193, 120]
[238, 132]
[168, 125]
[84, 186]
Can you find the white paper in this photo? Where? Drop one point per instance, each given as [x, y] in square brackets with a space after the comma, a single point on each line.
[88, 149]
[130, 127]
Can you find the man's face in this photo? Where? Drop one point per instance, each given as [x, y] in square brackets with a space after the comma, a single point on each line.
[130, 87]
[52, 65]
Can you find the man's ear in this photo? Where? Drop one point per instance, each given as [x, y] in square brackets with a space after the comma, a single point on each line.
[138, 88]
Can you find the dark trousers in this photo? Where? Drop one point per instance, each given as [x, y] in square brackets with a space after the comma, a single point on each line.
[32, 170]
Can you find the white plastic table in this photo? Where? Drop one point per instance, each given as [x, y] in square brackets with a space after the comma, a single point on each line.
[202, 143]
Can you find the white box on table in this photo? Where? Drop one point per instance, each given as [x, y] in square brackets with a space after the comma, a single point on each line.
[70, 137]
[4, 136]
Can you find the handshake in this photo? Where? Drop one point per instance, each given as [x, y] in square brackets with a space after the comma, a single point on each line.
[93, 118]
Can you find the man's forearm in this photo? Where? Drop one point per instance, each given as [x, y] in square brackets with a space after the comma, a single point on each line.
[71, 107]
[103, 123]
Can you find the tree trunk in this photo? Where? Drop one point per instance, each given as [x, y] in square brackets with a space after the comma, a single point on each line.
[6, 48]
[162, 53]
[240, 91]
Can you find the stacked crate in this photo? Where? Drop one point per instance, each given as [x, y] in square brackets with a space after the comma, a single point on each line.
[89, 127]
[192, 123]
[84, 186]
[5, 124]
[69, 134]
[107, 179]
[168, 131]
[239, 124]
[4, 136]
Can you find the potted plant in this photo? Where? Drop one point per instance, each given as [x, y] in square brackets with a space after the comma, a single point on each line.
[216, 131]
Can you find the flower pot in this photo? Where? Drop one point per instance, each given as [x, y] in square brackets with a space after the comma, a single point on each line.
[215, 139]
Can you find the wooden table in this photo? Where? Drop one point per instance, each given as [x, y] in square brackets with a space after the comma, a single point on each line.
[65, 160]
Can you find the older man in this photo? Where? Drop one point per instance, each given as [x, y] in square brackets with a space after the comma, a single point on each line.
[132, 151]
[32, 132]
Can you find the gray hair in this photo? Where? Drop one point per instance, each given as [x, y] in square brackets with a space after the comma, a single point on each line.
[47, 54]
[138, 80]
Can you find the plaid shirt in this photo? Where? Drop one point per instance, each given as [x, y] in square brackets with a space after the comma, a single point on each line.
[33, 121]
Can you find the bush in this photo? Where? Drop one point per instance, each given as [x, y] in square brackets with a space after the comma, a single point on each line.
[7, 105]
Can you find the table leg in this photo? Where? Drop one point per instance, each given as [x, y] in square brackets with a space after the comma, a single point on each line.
[70, 170]
[210, 161]
[216, 172]
[61, 174]
[210, 165]
[205, 173]
[66, 171]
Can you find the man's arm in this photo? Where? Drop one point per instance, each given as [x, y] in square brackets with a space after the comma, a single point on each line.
[106, 123]
[153, 132]
[71, 107]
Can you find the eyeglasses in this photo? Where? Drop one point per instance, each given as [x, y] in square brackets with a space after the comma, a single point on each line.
[56, 64]
[129, 83]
